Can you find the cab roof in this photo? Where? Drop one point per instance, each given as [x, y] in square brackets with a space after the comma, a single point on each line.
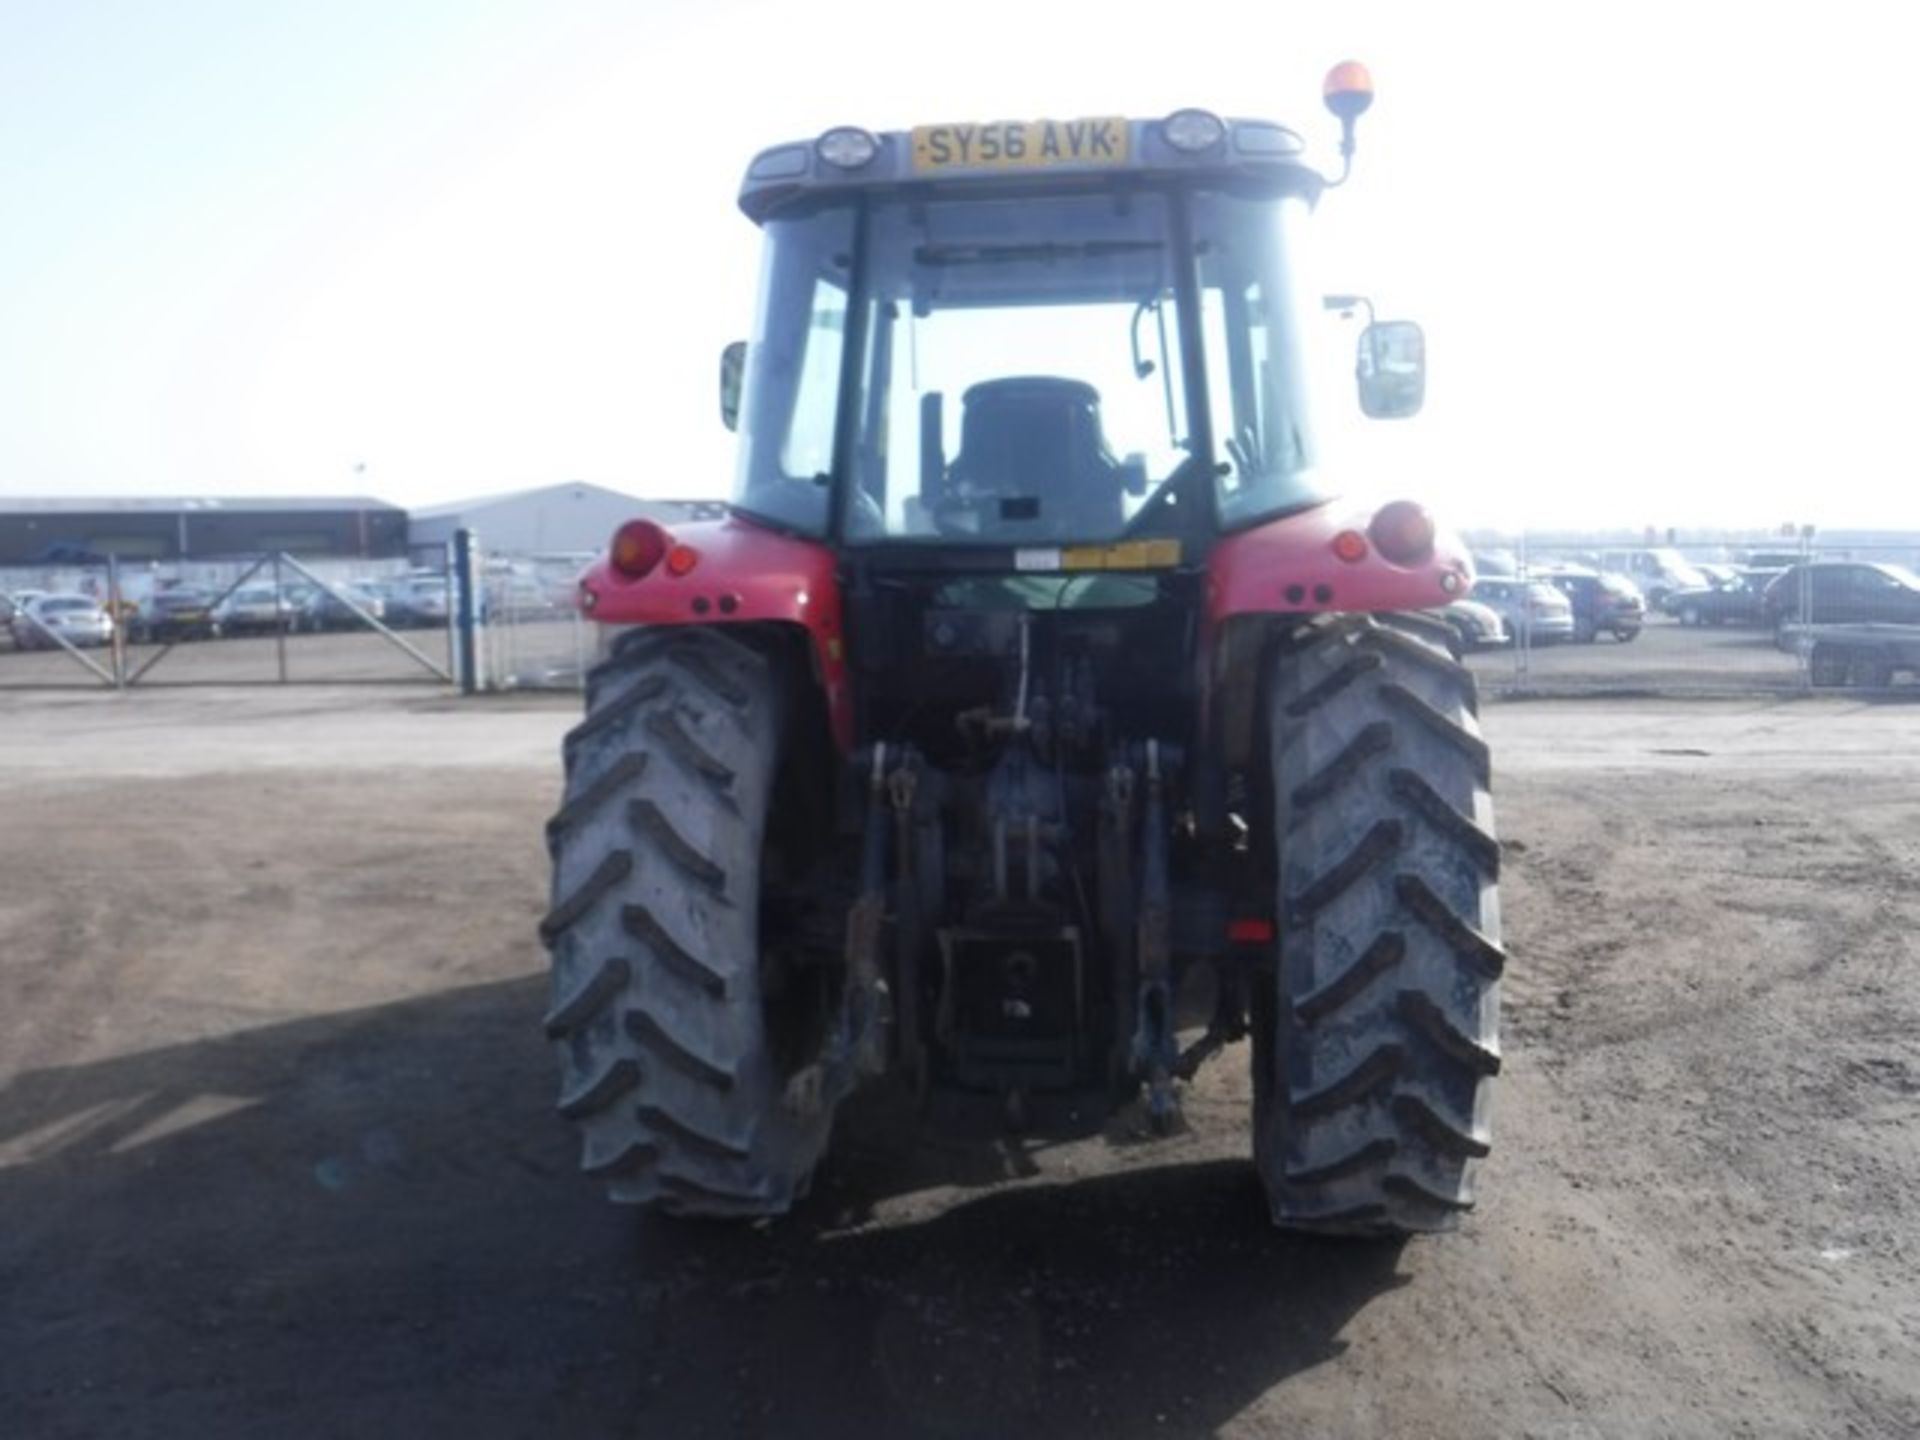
[1040, 154]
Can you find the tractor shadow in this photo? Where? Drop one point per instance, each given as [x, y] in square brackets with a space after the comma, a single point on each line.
[368, 1223]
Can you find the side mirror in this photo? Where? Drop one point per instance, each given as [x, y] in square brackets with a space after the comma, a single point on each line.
[1391, 369]
[1133, 475]
[733, 365]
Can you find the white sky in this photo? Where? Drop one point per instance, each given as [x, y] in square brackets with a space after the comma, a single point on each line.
[1665, 253]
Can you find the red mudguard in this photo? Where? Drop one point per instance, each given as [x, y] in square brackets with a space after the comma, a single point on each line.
[740, 572]
[1290, 567]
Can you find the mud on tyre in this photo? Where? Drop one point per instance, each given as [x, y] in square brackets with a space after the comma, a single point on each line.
[1374, 1051]
[676, 1052]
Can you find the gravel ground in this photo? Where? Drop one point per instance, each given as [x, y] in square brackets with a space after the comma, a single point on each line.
[276, 1153]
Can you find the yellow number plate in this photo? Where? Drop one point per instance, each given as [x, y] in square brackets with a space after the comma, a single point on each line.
[1021, 144]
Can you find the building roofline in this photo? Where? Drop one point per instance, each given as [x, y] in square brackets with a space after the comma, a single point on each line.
[190, 504]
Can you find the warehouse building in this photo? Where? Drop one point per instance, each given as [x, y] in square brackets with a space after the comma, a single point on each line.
[570, 519]
[158, 528]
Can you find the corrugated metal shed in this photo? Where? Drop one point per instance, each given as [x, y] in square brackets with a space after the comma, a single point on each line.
[44, 529]
[569, 519]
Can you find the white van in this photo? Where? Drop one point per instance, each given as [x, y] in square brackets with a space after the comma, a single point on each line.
[1657, 571]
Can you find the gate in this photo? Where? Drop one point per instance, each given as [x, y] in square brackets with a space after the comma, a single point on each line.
[267, 619]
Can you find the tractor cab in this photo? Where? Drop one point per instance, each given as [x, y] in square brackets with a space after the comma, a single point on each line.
[1012, 337]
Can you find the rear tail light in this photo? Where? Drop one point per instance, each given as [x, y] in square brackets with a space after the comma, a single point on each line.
[638, 547]
[1403, 533]
[1350, 546]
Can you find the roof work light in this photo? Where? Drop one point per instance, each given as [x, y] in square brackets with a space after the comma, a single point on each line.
[1193, 131]
[1348, 92]
[847, 147]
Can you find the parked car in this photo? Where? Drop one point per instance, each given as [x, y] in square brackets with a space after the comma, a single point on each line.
[1842, 592]
[1738, 601]
[1530, 607]
[177, 613]
[1602, 605]
[326, 611]
[76, 619]
[256, 610]
[417, 600]
[1475, 626]
[1655, 573]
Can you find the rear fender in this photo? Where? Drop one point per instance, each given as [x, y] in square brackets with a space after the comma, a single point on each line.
[741, 574]
[1263, 580]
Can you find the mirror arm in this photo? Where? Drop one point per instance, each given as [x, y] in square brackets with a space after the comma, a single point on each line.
[1346, 158]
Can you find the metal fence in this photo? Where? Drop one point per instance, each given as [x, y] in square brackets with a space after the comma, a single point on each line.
[1550, 614]
[272, 618]
[1692, 616]
[532, 636]
[280, 618]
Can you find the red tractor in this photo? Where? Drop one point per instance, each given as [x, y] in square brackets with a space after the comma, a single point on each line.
[1034, 682]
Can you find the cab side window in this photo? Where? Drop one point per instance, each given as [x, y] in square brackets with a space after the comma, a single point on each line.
[808, 451]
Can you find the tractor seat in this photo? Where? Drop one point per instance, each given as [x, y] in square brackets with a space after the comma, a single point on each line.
[1032, 450]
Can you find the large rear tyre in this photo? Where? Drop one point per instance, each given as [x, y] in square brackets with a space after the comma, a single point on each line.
[675, 1055]
[1371, 1072]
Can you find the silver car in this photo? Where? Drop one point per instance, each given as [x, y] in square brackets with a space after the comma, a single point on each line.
[1475, 626]
[76, 619]
[1532, 608]
[255, 609]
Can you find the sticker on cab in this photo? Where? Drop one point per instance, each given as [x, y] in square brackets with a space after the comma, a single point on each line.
[1021, 144]
[1127, 555]
[1036, 559]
